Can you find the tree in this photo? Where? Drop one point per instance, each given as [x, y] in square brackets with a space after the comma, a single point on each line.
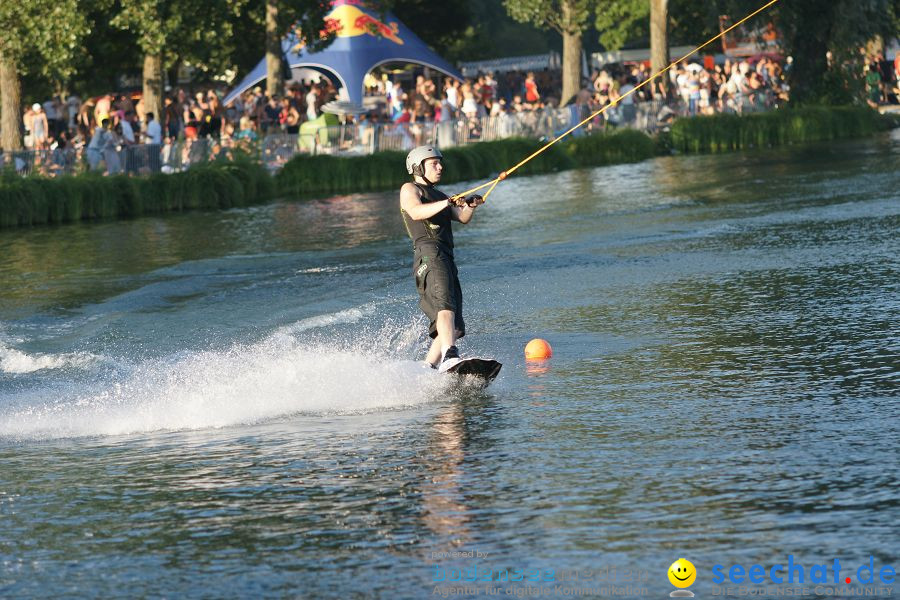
[172, 31]
[659, 38]
[568, 18]
[630, 22]
[45, 33]
[449, 28]
[266, 22]
[620, 21]
[107, 52]
[811, 29]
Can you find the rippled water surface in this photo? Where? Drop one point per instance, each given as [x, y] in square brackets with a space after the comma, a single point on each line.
[228, 404]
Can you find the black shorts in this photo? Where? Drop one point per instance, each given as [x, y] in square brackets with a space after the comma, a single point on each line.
[437, 282]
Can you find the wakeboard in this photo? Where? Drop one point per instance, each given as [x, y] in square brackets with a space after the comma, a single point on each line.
[482, 368]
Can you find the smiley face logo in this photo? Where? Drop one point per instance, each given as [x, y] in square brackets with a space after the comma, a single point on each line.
[682, 573]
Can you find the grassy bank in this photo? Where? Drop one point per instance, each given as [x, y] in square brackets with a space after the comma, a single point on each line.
[316, 175]
[725, 133]
[36, 200]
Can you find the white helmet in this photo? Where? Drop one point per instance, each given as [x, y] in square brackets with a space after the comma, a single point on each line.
[417, 156]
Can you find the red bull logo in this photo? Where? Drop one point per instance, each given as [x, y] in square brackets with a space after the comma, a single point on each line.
[348, 20]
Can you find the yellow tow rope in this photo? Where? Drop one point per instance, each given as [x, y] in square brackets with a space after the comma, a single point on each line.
[493, 183]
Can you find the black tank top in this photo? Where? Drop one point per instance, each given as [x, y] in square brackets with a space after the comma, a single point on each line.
[435, 230]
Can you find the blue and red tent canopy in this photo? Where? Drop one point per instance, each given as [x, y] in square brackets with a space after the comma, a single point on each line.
[363, 42]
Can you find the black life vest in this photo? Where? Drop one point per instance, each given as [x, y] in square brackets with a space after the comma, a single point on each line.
[435, 230]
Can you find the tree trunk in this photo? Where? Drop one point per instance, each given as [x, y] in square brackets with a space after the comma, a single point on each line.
[808, 76]
[571, 67]
[153, 85]
[274, 80]
[10, 111]
[659, 40]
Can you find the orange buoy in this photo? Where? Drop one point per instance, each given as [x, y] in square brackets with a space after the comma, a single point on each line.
[538, 349]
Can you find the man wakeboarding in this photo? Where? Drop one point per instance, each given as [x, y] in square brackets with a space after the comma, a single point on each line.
[427, 214]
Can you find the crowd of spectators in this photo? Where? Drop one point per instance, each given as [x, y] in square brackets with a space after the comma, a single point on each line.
[114, 132]
[115, 129]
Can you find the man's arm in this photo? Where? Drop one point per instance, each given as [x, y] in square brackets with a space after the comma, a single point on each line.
[464, 211]
[463, 214]
[411, 203]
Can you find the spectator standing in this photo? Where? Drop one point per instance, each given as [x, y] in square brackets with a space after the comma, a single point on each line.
[111, 153]
[897, 66]
[97, 144]
[289, 117]
[366, 132]
[706, 91]
[270, 114]
[129, 141]
[887, 75]
[693, 89]
[27, 124]
[85, 120]
[739, 88]
[489, 89]
[152, 130]
[312, 98]
[629, 111]
[60, 159]
[531, 89]
[873, 87]
[681, 83]
[215, 124]
[448, 110]
[451, 87]
[192, 122]
[103, 108]
[127, 123]
[201, 101]
[447, 121]
[53, 110]
[172, 118]
[470, 104]
[153, 139]
[73, 107]
[40, 129]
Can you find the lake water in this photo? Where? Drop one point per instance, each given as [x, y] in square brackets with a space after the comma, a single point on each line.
[228, 404]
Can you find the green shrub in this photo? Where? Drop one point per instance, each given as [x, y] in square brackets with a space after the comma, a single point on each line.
[310, 175]
[722, 133]
[620, 146]
[35, 200]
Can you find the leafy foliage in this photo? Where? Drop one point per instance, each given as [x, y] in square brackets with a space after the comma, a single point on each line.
[619, 21]
[42, 35]
[305, 17]
[563, 16]
[194, 31]
[439, 24]
[624, 23]
[811, 29]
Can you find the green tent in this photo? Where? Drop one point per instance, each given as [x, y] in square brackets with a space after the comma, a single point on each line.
[314, 134]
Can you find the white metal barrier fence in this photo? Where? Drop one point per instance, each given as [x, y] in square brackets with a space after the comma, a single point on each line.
[274, 150]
